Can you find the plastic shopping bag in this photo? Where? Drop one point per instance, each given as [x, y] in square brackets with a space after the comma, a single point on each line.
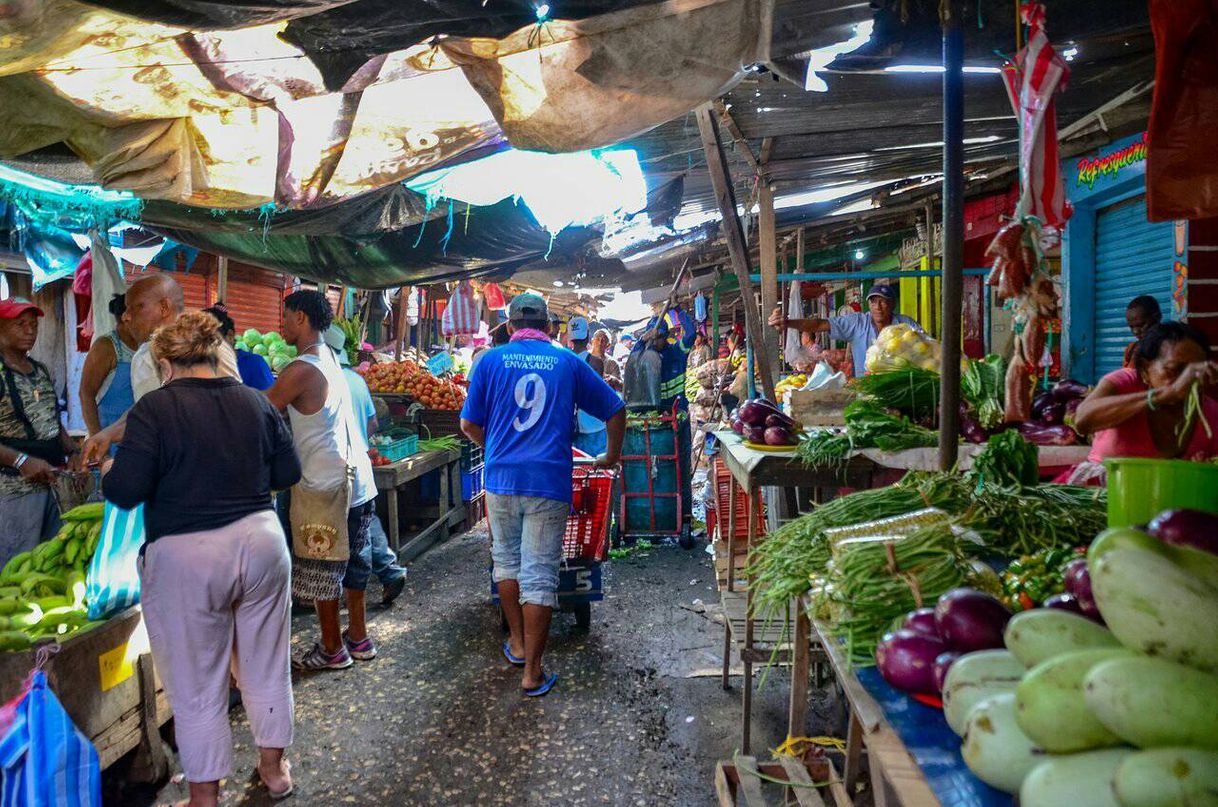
[113, 582]
[46, 761]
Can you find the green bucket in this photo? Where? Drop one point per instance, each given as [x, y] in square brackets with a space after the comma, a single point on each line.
[1139, 489]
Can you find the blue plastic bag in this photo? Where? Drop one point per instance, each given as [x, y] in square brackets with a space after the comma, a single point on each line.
[114, 582]
[46, 761]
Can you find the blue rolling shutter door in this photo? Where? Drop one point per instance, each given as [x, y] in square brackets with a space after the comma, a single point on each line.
[1132, 257]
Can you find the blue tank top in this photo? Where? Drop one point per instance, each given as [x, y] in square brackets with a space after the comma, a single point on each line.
[117, 395]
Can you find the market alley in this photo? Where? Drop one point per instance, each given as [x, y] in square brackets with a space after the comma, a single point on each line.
[638, 718]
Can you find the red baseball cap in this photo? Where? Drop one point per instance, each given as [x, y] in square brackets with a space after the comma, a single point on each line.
[16, 306]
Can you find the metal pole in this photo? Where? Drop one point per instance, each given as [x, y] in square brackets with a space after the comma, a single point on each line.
[953, 233]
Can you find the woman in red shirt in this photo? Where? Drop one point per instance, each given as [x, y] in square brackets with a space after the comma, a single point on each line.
[1139, 411]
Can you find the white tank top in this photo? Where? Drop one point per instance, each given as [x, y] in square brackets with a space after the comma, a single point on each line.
[328, 440]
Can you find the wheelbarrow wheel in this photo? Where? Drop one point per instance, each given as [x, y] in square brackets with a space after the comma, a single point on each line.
[583, 615]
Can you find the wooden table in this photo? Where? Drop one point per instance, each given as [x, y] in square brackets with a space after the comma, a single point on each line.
[751, 469]
[895, 776]
[389, 478]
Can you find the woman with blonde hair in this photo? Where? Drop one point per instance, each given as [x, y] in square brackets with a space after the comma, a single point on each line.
[202, 454]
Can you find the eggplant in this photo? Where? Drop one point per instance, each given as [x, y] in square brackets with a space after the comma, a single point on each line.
[971, 620]
[1052, 414]
[943, 663]
[1040, 403]
[1192, 528]
[1041, 435]
[921, 621]
[781, 421]
[752, 414]
[972, 430]
[778, 436]
[1065, 602]
[738, 426]
[755, 434]
[906, 659]
[1077, 579]
[1068, 389]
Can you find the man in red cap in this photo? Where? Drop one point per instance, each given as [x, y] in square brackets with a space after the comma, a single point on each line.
[32, 437]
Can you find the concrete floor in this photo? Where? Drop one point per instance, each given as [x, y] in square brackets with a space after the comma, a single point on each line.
[638, 716]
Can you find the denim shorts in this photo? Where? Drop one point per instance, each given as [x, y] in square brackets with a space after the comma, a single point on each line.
[526, 545]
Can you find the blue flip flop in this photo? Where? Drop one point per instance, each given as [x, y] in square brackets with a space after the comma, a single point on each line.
[507, 654]
[548, 681]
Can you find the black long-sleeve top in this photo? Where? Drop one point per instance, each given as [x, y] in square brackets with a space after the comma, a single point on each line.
[201, 453]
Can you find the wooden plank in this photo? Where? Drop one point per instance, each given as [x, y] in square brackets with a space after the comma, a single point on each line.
[841, 796]
[797, 774]
[399, 331]
[151, 763]
[801, 646]
[414, 466]
[124, 734]
[750, 785]
[891, 764]
[738, 137]
[725, 195]
[725, 787]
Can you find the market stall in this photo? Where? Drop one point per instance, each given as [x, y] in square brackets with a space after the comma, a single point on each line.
[392, 477]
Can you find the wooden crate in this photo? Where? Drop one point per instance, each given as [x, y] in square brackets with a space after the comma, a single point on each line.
[817, 407]
[737, 783]
[102, 678]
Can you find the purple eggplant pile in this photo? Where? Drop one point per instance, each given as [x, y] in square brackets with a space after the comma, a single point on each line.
[1052, 422]
[760, 422]
[916, 657]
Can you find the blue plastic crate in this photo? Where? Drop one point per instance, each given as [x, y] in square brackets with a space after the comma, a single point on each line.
[400, 449]
[472, 483]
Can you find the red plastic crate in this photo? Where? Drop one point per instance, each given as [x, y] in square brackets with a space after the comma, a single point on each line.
[588, 525]
[722, 479]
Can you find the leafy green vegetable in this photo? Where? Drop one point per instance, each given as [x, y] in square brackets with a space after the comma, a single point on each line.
[915, 392]
[982, 384]
[1007, 460]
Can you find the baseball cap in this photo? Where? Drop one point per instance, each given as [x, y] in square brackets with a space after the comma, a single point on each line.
[885, 290]
[335, 338]
[578, 328]
[626, 337]
[14, 307]
[528, 306]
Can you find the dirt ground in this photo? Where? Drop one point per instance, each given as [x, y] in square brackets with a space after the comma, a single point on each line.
[638, 716]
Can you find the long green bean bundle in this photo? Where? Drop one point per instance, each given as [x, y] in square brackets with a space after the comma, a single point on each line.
[1018, 521]
[785, 562]
[873, 581]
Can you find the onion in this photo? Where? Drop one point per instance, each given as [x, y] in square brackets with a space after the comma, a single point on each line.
[1192, 528]
[971, 620]
[907, 660]
[921, 621]
[738, 426]
[943, 663]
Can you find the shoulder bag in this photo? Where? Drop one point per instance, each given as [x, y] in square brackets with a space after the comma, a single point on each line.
[318, 514]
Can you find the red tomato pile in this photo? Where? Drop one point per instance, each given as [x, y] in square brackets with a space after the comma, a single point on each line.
[377, 458]
[408, 378]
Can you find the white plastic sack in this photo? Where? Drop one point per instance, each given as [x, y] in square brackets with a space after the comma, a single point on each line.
[823, 378]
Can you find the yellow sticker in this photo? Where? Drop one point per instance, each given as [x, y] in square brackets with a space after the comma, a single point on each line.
[116, 667]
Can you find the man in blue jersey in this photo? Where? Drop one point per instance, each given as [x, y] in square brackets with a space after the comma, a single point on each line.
[520, 404]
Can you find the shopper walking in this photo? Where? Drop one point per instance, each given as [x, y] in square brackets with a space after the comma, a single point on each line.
[202, 454]
[32, 439]
[378, 557]
[519, 407]
[105, 378]
[331, 507]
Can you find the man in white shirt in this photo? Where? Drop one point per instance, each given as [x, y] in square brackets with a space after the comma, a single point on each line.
[152, 301]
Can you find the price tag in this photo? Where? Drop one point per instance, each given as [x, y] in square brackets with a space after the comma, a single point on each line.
[440, 362]
[116, 666]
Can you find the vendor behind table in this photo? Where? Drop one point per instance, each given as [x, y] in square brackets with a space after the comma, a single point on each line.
[860, 329]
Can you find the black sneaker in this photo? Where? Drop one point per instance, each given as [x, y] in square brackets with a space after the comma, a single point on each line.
[391, 590]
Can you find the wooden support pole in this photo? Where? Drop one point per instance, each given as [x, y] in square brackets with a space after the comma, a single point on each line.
[953, 233]
[222, 278]
[399, 331]
[725, 195]
[769, 269]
